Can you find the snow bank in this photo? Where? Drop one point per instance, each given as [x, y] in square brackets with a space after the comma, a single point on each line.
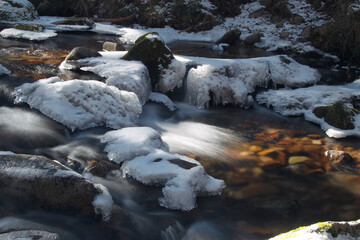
[4, 70]
[130, 76]
[303, 100]
[29, 35]
[81, 104]
[145, 158]
[232, 80]
[161, 98]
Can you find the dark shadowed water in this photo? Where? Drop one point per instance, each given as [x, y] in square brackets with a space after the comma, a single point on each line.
[274, 167]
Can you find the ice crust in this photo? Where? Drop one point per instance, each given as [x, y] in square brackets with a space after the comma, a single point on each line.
[130, 76]
[29, 35]
[103, 202]
[232, 80]
[172, 77]
[302, 101]
[146, 158]
[81, 104]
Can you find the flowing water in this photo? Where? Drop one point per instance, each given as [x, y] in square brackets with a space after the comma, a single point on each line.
[276, 174]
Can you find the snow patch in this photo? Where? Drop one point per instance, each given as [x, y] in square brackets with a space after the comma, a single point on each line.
[232, 80]
[303, 100]
[81, 104]
[130, 76]
[103, 202]
[29, 35]
[172, 76]
[162, 98]
[146, 158]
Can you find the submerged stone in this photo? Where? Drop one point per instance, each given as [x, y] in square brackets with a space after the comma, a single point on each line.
[342, 161]
[151, 50]
[338, 115]
[113, 46]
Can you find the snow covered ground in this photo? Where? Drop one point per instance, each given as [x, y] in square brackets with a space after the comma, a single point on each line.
[145, 157]
[303, 100]
[81, 104]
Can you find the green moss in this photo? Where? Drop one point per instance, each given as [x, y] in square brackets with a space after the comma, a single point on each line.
[30, 27]
[327, 227]
[338, 115]
[76, 21]
[153, 53]
[290, 234]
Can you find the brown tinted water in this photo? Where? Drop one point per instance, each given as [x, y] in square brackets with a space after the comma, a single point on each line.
[274, 167]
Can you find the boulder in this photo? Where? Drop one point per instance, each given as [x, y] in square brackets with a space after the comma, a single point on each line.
[342, 161]
[36, 182]
[81, 53]
[231, 37]
[30, 235]
[305, 34]
[17, 10]
[112, 46]
[253, 38]
[338, 115]
[296, 19]
[284, 34]
[257, 13]
[151, 50]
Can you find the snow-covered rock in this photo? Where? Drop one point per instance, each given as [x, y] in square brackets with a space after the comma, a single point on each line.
[130, 76]
[4, 71]
[146, 158]
[81, 104]
[172, 76]
[46, 183]
[232, 80]
[161, 98]
[29, 35]
[16, 10]
[324, 231]
[302, 101]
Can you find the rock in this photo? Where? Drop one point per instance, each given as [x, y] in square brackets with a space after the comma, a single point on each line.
[81, 53]
[279, 25]
[77, 22]
[231, 37]
[151, 50]
[112, 46]
[257, 13]
[342, 161]
[279, 10]
[30, 235]
[253, 38]
[298, 159]
[30, 27]
[296, 19]
[101, 168]
[17, 10]
[305, 34]
[38, 182]
[4, 71]
[284, 34]
[324, 230]
[338, 115]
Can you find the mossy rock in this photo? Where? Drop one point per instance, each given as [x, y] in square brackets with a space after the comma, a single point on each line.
[76, 21]
[231, 37]
[151, 50]
[338, 115]
[81, 53]
[30, 27]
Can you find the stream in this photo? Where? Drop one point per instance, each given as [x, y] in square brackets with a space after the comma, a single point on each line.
[252, 150]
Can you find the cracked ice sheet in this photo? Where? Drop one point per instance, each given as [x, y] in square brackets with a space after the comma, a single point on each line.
[146, 159]
[81, 104]
[303, 100]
